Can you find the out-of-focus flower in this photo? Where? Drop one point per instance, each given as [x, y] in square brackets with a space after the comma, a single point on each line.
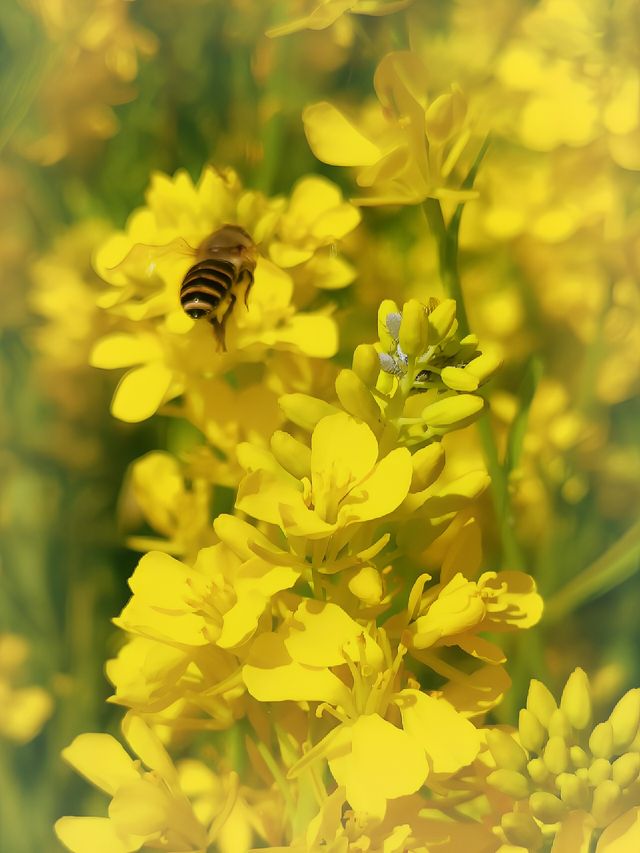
[148, 809]
[322, 14]
[96, 48]
[23, 710]
[567, 778]
[407, 148]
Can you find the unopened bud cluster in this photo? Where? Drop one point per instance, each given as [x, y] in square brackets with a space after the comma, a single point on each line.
[563, 763]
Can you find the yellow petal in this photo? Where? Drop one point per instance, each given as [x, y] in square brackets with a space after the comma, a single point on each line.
[92, 835]
[318, 633]
[272, 676]
[147, 746]
[381, 491]
[449, 740]
[621, 836]
[333, 139]
[102, 760]
[141, 392]
[384, 764]
[122, 350]
[343, 451]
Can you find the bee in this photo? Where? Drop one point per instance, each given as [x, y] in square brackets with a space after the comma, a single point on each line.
[224, 267]
[226, 261]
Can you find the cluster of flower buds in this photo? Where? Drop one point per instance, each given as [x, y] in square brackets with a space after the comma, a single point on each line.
[565, 771]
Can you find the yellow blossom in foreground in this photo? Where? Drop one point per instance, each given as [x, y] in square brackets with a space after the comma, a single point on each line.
[570, 779]
[407, 149]
[23, 710]
[372, 757]
[148, 808]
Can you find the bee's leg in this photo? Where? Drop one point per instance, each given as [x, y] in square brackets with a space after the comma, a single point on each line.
[249, 282]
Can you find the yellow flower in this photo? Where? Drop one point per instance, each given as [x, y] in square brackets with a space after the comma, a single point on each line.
[408, 148]
[148, 808]
[323, 13]
[343, 487]
[373, 758]
[171, 354]
[97, 49]
[23, 710]
[569, 778]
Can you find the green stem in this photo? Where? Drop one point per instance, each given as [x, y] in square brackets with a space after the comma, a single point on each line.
[447, 242]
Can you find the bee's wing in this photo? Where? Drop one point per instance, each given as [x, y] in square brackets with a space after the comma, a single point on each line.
[143, 256]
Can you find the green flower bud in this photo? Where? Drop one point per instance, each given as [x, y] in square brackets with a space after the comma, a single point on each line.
[452, 413]
[459, 379]
[366, 364]
[540, 702]
[507, 753]
[559, 726]
[547, 807]
[578, 756]
[441, 319]
[414, 329]
[522, 830]
[575, 702]
[538, 771]
[427, 463]
[387, 307]
[607, 802]
[601, 740]
[532, 732]
[509, 782]
[599, 771]
[356, 398]
[625, 719]
[625, 770]
[293, 455]
[484, 366]
[305, 411]
[574, 791]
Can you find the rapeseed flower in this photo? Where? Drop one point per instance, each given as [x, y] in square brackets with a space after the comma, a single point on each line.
[23, 710]
[406, 148]
[148, 808]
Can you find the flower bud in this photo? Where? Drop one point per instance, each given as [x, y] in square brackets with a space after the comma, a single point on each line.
[293, 455]
[441, 320]
[459, 379]
[305, 411]
[507, 753]
[601, 740]
[556, 755]
[540, 702]
[484, 366]
[607, 802]
[538, 771]
[427, 464]
[599, 770]
[532, 732]
[388, 329]
[452, 413]
[522, 830]
[575, 702]
[366, 364]
[574, 791]
[414, 329]
[625, 719]
[547, 807]
[625, 770]
[509, 782]
[356, 398]
[559, 725]
[578, 756]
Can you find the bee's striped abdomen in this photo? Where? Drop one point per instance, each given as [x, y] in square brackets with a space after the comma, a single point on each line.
[205, 286]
